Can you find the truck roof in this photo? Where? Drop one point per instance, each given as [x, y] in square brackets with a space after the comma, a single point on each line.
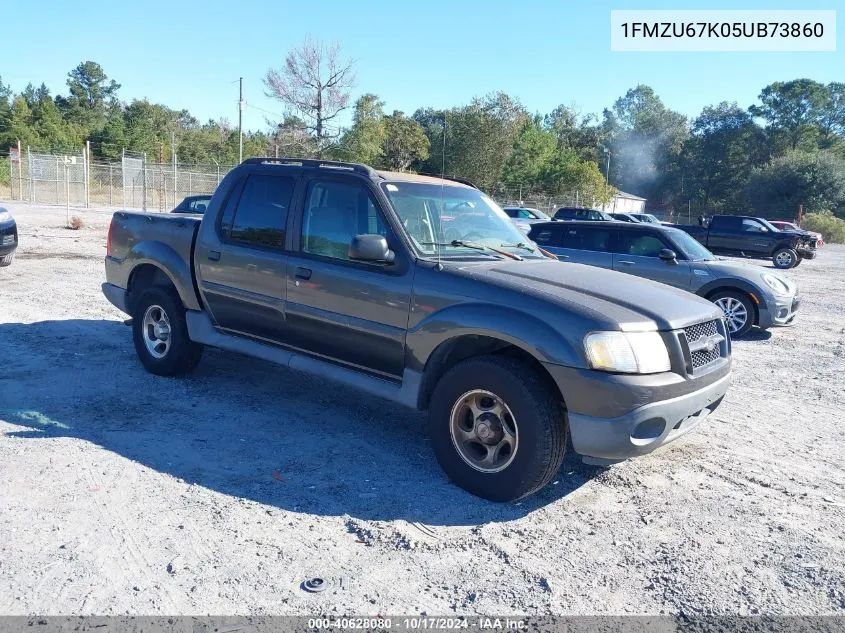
[375, 175]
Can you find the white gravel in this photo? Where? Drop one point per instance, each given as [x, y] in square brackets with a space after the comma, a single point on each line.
[122, 492]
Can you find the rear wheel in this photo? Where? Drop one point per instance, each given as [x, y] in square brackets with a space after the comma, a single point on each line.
[497, 430]
[160, 333]
[738, 311]
[785, 258]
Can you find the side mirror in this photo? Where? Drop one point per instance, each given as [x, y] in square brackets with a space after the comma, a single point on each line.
[667, 255]
[371, 248]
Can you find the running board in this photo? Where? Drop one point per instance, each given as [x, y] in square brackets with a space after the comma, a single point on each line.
[202, 330]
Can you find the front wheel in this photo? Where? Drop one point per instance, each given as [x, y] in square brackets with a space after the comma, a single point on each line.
[798, 261]
[785, 258]
[497, 430]
[160, 333]
[738, 311]
[6, 260]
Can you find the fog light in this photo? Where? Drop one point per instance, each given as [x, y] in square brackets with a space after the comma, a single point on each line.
[783, 312]
[648, 431]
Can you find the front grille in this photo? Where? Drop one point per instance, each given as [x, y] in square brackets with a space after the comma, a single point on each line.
[705, 344]
[705, 357]
[700, 330]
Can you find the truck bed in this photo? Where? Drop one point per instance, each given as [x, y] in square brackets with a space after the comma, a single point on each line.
[161, 239]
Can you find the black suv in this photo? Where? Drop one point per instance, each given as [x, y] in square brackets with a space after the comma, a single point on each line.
[577, 213]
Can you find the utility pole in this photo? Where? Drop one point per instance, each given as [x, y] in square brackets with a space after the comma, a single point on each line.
[241, 121]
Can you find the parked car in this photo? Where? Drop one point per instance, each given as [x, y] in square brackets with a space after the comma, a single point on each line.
[348, 273]
[624, 217]
[576, 213]
[524, 217]
[748, 295]
[747, 236]
[647, 218]
[8, 237]
[193, 204]
[780, 225]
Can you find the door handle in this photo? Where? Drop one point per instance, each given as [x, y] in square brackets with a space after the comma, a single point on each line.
[563, 256]
[214, 256]
[303, 273]
[626, 262]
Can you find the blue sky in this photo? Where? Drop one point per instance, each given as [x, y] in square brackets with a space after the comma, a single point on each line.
[190, 53]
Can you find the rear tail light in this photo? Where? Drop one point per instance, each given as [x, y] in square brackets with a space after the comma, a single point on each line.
[108, 239]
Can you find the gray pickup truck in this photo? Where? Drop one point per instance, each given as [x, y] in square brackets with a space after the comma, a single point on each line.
[420, 290]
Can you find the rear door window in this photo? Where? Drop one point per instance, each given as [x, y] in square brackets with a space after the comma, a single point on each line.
[587, 238]
[639, 244]
[261, 213]
[546, 236]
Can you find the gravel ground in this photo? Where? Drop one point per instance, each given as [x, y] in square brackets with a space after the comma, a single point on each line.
[125, 493]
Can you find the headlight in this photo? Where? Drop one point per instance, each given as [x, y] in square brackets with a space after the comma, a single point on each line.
[5, 216]
[776, 283]
[627, 352]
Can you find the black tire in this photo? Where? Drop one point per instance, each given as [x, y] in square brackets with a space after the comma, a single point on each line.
[784, 258]
[540, 421]
[798, 261]
[182, 354]
[6, 260]
[727, 298]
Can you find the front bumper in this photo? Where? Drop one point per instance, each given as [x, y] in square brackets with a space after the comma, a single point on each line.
[779, 312]
[654, 411]
[807, 252]
[8, 238]
[116, 296]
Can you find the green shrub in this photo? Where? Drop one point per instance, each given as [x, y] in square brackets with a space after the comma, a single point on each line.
[831, 227]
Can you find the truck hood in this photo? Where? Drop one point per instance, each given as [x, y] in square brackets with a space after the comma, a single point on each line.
[616, 301]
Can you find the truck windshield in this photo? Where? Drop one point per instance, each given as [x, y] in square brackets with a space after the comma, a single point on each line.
[439, 217]
[690, 246]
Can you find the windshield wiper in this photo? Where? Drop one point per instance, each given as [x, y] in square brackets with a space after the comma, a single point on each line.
[475, 246]
[521, 245]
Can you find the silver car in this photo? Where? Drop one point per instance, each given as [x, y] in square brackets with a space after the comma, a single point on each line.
[748, 295]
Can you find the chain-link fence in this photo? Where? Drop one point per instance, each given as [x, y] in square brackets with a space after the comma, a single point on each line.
[132, 183]
[135, 183]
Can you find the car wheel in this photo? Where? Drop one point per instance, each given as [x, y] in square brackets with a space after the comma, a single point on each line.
[785, 258]
[497, 429]
[160, 333]
[738, 311]
[798, 261]
[6, 260]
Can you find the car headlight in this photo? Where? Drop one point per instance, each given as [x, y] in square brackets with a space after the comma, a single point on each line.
[5, 216]
[777, 284]
[627, 352]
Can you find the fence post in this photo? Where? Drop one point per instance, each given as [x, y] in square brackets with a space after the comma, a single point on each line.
[20, 172]
[57, 182]
[144, 182]
[190, 184]
[111, 186]
[29, 174]
[67, 195]
[87, 173]
[123, 174]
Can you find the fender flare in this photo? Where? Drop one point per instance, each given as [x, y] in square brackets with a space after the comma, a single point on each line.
[432, 338]
[167, 260]
[740, 285]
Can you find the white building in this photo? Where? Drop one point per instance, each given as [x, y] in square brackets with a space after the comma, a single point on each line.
[624, 203]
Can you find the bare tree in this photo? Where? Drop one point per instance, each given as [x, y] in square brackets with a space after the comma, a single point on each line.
[314, 84]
